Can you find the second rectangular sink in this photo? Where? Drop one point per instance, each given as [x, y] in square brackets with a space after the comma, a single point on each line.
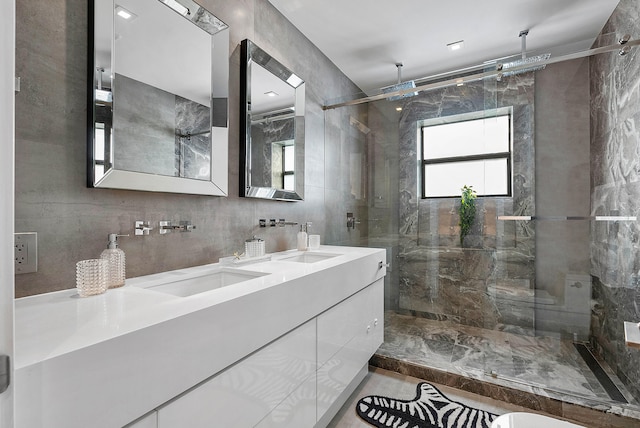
[208, 281]
[309, 257]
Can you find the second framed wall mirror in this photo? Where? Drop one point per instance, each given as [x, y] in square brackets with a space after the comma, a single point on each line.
[271, 127]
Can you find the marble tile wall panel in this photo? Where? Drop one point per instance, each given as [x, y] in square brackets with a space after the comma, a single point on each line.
[262, 135]
[73, 221]
[613, 306]
[437, 278]
[193, 153]
[615, 190]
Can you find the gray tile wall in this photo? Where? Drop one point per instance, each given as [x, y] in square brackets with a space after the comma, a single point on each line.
[615, 190]
[562, 189]
[73, 221]
[438, 278]
[503, 261]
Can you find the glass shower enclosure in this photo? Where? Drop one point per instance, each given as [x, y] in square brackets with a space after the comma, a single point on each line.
[518, 301]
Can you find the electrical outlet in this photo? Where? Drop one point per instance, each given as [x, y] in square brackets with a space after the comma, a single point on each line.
[26, 252]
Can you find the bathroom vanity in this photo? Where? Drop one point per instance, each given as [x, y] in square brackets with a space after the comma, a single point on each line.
[274, 343]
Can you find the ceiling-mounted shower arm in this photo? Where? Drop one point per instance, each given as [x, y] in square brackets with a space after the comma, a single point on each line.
[100, 70]
[399, 67]
[523, 36]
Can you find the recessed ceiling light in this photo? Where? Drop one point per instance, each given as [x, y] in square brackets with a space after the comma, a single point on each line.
[104, 95]
[456, 46]
[271, 94]
[398, 108]
[459, 82]
[294, 80]
[125, 14]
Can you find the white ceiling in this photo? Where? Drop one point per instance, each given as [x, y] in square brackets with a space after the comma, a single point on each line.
[365, 38]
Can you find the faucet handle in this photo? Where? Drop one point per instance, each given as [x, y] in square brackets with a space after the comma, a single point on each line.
[186, 226]
[142, 227]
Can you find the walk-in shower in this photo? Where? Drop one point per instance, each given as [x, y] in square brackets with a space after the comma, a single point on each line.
[534, 300]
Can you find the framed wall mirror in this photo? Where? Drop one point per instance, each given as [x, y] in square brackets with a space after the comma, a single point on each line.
[158, 97]
[272, 127]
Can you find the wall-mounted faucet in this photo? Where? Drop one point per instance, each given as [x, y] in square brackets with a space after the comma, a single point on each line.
[167, 226]
[273, 223]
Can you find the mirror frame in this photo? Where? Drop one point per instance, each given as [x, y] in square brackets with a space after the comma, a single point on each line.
[251, 53]
[128, 180]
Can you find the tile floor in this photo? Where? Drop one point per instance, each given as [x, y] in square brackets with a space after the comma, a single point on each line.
[543, 362]
[382, 382]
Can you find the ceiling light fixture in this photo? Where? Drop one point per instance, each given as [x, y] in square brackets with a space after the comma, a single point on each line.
[125, 14]
[294, 80]
[456, 46]
[180, 8]
[271, 94]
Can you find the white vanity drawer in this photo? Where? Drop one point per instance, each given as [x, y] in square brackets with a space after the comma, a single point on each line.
[241, 395]
[296, 411]
[348, 335]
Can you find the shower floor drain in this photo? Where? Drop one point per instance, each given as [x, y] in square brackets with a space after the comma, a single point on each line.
[608, 385]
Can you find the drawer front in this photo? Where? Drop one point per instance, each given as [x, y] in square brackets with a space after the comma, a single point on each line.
[243, 394]
[296, 411]
[348, 335]
[340, 324]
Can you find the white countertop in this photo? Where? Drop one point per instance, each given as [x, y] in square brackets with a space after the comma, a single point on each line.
[52, 324]
[106, 360]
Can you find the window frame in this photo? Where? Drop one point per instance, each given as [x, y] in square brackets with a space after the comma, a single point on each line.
[286, 172]
[466, 117]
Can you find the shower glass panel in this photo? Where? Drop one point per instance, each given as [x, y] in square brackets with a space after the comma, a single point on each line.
[511, 302]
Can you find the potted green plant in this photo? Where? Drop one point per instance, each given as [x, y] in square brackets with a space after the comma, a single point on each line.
[467, 211]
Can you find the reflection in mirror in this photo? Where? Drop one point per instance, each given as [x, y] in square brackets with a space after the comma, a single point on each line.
[158, 97]
[272, 118]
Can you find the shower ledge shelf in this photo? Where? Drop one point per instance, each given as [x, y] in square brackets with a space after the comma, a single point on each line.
[632, 334]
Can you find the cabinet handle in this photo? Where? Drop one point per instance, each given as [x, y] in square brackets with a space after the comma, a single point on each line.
[375, 322]
[368, 329]
[381, 265]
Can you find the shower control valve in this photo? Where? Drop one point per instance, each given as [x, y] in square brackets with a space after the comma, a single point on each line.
[352, 221]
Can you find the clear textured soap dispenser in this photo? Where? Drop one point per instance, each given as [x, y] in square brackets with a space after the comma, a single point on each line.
[116, 262]
[302, 238]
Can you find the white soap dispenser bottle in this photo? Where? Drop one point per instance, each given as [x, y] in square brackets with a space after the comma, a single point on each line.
[116, 262]
[302, 238]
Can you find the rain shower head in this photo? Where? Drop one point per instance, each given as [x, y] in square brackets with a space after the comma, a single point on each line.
[400, 86]
[524, 60]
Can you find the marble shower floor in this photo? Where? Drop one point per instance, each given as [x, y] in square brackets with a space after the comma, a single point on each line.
[544, 365]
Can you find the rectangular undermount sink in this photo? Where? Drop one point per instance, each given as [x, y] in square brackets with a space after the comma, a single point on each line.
[206, 282]
[309, 257]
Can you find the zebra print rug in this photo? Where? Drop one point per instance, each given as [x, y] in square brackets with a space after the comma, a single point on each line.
[430, 409]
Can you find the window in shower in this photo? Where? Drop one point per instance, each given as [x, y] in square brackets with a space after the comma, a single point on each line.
[283, 165]
[470, 149]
